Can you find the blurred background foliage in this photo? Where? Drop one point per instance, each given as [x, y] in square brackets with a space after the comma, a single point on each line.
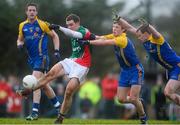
[95, 15]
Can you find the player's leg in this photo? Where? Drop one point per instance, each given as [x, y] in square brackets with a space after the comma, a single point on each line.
[170, 90]
[124, 87]
[71, 88]
[137, 78]
[52, 97]
[76, 73]
[56, 71]
[134, 99]
[122, 94]
[36, 99]
[173, 86]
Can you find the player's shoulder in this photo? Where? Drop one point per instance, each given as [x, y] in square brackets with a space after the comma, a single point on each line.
[42, 22]
[23, 22]
[123, 35]
[82, 28]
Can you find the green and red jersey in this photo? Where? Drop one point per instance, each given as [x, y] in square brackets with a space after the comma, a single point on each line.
[81, 54]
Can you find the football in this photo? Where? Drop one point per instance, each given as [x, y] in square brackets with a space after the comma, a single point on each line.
[29, 81]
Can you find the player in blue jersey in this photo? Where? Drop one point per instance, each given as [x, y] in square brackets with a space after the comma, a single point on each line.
[159, 49]
[132, 72]
[33, 35]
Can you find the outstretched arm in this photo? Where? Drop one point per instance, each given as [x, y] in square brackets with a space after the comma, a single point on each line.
[150, 28]
[127, 26]
[66, 31]
[154, 32]
[71, 33]
[102, 42]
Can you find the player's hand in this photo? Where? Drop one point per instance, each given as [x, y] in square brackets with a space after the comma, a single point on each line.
[116, 18]
[24, 92]
[83, 42]
[57, 55]
[54, 27]
[92, 36]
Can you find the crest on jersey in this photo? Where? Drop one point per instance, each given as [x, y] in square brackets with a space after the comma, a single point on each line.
[31, 29]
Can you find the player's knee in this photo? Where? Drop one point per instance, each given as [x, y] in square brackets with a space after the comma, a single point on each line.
[167, 92]
[133, 98]
[122, 100]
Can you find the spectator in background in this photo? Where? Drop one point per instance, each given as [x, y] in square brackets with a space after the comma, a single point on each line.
[158, 99]
[109, 86]
[14, 105]
[5, 92]
[90, 95]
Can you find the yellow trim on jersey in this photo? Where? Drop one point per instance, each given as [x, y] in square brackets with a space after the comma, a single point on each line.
[44, 26]
[160, 57]
[120, 40]
[159, 40]
[125, 60]
[21, 27]
[40, 44]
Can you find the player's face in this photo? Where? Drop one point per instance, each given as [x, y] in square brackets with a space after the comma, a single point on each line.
[143, 36]
[72, 25]
[31, 12]
[117, 29]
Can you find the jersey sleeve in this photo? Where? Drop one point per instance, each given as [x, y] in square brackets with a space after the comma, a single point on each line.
[44, 26]
[20, 30]
[121, 41]
[83, 32]
[109, 36]
[159, 40]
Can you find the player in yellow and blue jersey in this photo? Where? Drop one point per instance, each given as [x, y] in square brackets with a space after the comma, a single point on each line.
[33, 35]
[159, 49]
[132, 72]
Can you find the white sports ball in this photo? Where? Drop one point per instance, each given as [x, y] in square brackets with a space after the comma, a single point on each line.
[29, 81]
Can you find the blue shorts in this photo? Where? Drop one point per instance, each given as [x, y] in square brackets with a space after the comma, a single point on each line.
[132, 76]
[174, 73]
[39, 63]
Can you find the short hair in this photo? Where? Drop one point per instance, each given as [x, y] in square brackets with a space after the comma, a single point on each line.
[73, 17]
[143, 29]
[32, 4]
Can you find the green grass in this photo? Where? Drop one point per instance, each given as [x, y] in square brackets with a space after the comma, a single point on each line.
[80, 121]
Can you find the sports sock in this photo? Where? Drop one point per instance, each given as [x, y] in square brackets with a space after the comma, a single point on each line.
[35, 108]
[55, 103]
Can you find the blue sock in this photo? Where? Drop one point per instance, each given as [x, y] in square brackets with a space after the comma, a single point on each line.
[35, 108]
[55, 103]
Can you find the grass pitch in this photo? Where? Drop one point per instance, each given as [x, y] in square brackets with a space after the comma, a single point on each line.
[81, 121]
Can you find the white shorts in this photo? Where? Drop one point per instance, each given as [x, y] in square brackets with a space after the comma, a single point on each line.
[73, 69]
